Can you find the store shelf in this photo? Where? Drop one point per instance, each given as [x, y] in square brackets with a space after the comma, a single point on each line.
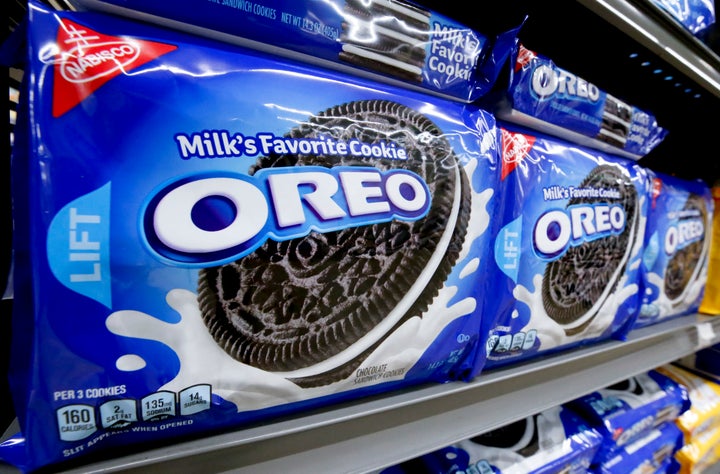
[367, 435]
[655, 29]
[373, 433]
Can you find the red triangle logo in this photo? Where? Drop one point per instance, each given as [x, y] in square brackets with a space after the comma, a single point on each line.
[524, 57]
[515, 147]
[656, 190]
[87, 59]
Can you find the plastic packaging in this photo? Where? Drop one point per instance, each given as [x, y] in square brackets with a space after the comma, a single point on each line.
[208, 236]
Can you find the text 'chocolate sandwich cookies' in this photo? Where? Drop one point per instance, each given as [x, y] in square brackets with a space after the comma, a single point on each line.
[304, 302]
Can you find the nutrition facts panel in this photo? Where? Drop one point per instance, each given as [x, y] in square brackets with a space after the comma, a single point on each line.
[78, 421]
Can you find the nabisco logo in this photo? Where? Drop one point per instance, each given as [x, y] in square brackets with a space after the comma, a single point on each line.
[656, 190]
[86, 64]
[515, 148]
[85, 60]
[524, 57]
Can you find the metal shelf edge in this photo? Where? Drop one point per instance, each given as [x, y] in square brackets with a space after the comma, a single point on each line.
[654, 29]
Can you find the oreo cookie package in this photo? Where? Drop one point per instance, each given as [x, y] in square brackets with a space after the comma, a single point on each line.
[546, 97]
[696, 16]
[677, 248]
[556, 440]
[630, 409]
[569, 246]
[398, 41]
[654, 452]
[210, 236]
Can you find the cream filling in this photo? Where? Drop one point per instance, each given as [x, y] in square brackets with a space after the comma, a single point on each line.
[364, 53]
[395, 6]
[375, 29]
[610, 134]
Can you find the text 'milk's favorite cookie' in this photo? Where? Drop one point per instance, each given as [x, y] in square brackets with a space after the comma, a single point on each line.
[213, 242]
[569, 246]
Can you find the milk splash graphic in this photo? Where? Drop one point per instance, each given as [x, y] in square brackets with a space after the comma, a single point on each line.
[663, 306]
[552, 334]
[250, 388]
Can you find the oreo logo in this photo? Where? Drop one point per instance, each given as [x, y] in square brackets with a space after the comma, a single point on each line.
[633, 431]
[547, 81]
[557, 230]
[683, 234]
[215, 219]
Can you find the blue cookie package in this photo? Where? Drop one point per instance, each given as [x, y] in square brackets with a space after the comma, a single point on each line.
[546, 97]
[677, 247]
[209, 236]
[569, 246]
[696, 16]
[552, 441]
[654, 452]
[630, 409]
[392, 40]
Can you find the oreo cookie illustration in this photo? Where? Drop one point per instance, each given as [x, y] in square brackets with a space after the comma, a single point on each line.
[312, 308]
[576, 285]
[685, 264]
[387, 36]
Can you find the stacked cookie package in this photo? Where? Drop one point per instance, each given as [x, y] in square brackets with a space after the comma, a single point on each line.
[700, 424]
[696, 16]
[197, 251]
[637, 419]
[630, 426]
[591, 246]
[569, 247]
[542, 95]
[395, 41]
[556, 439]
[676, 252]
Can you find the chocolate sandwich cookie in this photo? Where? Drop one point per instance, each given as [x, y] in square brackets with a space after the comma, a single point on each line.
[386, 36]
[312, 308]
[576, 285]
[616, 121]
[685, 264]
